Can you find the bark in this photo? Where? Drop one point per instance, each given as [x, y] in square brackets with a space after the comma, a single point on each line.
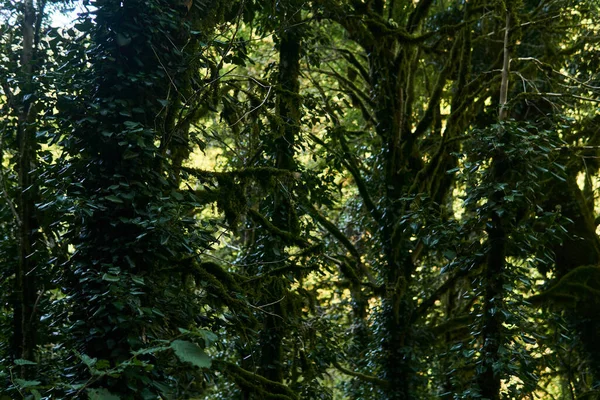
[393, 97]
[288, 109]
[25, 290]
[505, 71]
[581, 247]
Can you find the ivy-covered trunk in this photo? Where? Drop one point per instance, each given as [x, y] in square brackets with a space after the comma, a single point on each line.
[489, 374]
[136, 247]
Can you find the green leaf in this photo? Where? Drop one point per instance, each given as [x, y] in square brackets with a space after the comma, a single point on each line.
[114, 199]
[87, 360]
[150, 350]
[128, 155]
[123, 40]
[23, 384]
[178, 196]
[130, 261]
[110, 278]
[101, 394]
[208, 336]
[20, 361]
[191, 352]
[528, 340]
[36, 394]
[131, 124]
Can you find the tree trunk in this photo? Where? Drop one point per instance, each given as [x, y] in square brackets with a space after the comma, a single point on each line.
[580, 248]
[288, 109]
[393, 96]
[492, 333]
[24, 309]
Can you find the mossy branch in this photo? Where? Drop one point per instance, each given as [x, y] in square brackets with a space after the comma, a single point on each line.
[469, 93]
[418, 14]
[343, 239]
[453, 325]
[581, 285]
[383, 28]
[354, 171]
[288, 236]
[216, 286]
[348, 159]
[546, 96]
[351, 22]
[351, 58]
[248, 380]
[443, 288]
[364, 377]
[281, 271]
[436, 96]
[355, 97]
[331, 228]
[360, 93]
[250, 172]
[228, 278]
[206, 196]
[360, 183]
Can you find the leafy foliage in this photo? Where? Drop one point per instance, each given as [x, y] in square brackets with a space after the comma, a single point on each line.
[285, 200]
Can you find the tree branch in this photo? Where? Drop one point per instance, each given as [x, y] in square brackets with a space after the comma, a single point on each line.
[418, 14]
[435, 98]
[267, 388]
[347, 160]
[261, 219]
[443, 288]
[351, 58]
[364, 377]
[349, 84]
[241, 173]
[331, 228]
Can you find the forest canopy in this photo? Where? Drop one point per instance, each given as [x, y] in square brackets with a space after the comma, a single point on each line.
[327, 199]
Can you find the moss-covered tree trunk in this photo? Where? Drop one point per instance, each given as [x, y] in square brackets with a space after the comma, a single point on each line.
[390, 67]
[580, 248]
[392, 92]
[393, 56]
[287, 128]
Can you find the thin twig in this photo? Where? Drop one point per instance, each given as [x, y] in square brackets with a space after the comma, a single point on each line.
[270, 304]
[544, 66]
[167, 72]
[254, 109]
[265, 312]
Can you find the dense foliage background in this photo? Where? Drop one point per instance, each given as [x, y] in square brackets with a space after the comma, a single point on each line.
[327, 199]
